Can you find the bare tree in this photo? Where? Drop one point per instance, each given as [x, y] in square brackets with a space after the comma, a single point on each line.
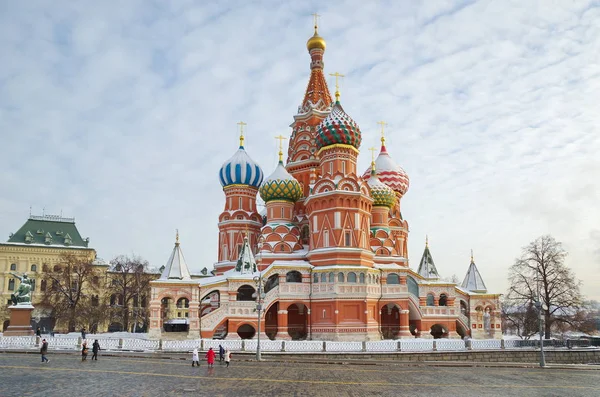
[69, 284]
[541, 273]
[129, 288]
[520, 317]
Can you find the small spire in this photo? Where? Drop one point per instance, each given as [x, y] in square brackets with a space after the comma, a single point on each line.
[316, 17]
[337, 85]
[372, 149]
[472, 261]
[280, 138]
[176, 236]
[383, 124]
[426, 241]
[241, 124]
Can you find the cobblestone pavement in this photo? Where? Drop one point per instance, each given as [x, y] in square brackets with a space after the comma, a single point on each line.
[66, 375]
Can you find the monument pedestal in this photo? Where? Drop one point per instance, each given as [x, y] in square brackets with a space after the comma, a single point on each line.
[20, 321]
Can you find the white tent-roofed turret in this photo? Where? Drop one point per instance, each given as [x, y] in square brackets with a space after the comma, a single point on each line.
[427, 268]
[473, 281]
[246, 262]
[176, 268]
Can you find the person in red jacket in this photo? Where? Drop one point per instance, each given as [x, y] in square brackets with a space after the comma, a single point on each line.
[210, 357]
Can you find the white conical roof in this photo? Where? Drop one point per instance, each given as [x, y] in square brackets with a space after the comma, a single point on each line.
[176, 268]
[473, 281]
[246, 262]
[427, 268]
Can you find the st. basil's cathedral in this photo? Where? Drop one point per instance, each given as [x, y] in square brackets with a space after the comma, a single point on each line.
[330, 249]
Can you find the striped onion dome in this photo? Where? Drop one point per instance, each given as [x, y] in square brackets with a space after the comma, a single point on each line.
[240, 169]
[382, 195]
[338, 128]
[280, 185]
[389, 172]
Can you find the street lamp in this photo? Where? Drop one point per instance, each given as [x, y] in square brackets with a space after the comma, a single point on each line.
[259, 294]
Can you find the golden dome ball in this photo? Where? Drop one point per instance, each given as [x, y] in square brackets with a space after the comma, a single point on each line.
[316, 42]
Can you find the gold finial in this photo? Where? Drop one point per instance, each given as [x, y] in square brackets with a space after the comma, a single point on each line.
[241, 124]
[176, 236]
[337, 85]
[280, 138]
[383, 124]
[316, 16]
[372, 149]
[426, 241]
[472, 261]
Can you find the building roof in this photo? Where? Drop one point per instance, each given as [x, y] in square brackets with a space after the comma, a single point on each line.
[246, 262]
[473, 281]
[176, 267]
[49, 230]
[427, 268]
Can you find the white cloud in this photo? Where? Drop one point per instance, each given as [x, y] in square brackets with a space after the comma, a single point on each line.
[122, 115]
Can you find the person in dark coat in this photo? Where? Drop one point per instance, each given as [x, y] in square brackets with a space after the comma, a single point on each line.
[38, 332]
[83, 333]
[221, 354]
[84, 351]
[95, 350]
[44, 351]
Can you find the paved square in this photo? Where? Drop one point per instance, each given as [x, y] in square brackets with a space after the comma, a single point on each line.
[66, 375]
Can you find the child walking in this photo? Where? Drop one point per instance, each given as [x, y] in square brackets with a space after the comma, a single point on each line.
[195, 358]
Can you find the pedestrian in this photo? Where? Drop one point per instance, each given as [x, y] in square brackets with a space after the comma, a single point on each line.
[210, 357]
[83, 333]
[84, 351]
[38, 331]
[221, 354]
[227, 357]
[44, 351]
[195, 358]
[95, 350]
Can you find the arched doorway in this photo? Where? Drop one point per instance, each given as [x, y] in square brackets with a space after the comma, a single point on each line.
[390, 321]
[271, 321]
[461, 330]
[246, 331]
[297, 321]
[245, 292]
[438, 331]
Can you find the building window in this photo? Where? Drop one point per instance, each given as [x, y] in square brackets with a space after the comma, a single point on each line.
[315, 278]
[347, 239]
[430, 300]
[323, 277]
[240, 203]
[11, 284]
[13, 266]
[393, 278]
[344, 167]
[43, 285]
[331, 277]
[443, 300]
[326, 238]
[32, 284]
[362, 278]
[337, 218]
[282, 212]
[315, 225]
[340, 277]
[351, 277]
[34, 268]
[293, 277]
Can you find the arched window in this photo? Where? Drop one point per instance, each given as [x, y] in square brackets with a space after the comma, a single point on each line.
[272, 282]
[323, 277]
[34, 268]
[413, 287]
[340, 277]
[113, 299]
[13, 266]
[393, 278]
[293, 277]
[443, 300]
[362, 278]
[44, 268]
[11, 284]
[331, 277]
[183, 303]
[351, 277]
[43, 285]
[245, 292]
[430, 300]
[315, 278]
[463, 308]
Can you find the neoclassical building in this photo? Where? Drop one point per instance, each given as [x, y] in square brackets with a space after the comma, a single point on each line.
[330, 247]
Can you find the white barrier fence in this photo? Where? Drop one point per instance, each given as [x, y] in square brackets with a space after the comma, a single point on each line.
[304, 346]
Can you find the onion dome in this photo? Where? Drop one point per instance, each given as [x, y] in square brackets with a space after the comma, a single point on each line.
[389, 172]
[280, 185]
[382, 195]
[338, 128]
[240, 169]
[316, 41]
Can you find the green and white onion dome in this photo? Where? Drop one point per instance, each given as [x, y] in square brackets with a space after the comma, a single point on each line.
[382, 194]
[280, 185]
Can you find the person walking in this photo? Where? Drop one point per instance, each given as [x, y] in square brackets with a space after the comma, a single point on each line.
[221, 354]
[84, 351]
[38, 331]
[227, 357]
[95, 350]
[83, 333]
[44, 351]
[195, 358]
[210, 357]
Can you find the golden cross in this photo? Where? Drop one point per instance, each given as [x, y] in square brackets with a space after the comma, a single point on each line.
[316, 16]
[176, 236]
[337, 85]
[383, 124]
[241, 124]
[280, 138]
[372, 149]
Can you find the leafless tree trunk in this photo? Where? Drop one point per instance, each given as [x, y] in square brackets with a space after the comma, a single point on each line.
[540, 273]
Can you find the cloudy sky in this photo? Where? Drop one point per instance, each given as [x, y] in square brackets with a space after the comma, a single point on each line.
[121, 113]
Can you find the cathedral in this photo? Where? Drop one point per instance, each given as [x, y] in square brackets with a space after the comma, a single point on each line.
[327, 258]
